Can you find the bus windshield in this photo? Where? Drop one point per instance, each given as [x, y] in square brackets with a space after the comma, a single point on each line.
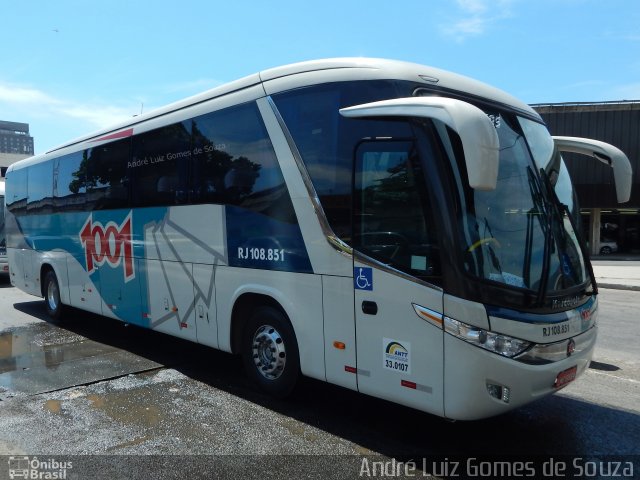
[522, 233]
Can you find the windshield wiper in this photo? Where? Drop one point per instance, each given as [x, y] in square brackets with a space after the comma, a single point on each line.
[542, 208]
[528, 248]
[563, 210]
[494, 257]
[592, 276]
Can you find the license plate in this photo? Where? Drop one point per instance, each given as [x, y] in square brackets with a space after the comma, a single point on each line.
[565, 377]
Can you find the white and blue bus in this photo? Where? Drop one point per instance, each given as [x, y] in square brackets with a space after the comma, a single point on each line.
[388, 227]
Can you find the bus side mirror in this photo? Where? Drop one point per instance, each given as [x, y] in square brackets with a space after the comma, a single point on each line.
[479, 137]
[607, 154]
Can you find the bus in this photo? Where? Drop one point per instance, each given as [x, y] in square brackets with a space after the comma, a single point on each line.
[4, 264]
[391, 228]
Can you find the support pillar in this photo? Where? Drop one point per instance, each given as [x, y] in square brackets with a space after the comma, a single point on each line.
[594, 231]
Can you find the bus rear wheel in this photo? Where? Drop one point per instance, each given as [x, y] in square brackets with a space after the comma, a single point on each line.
[270, 352]
[51, 293]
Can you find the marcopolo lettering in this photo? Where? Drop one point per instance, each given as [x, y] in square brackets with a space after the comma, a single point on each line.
[110, 243]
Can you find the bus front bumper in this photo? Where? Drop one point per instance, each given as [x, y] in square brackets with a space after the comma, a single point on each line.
[480, 384]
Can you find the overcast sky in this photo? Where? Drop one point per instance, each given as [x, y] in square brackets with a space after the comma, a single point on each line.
[70, 67]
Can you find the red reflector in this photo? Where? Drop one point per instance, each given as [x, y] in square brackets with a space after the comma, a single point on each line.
[565, 377]
[408, 384]
[349, 369]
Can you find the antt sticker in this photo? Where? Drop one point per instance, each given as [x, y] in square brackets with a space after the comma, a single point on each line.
[396, 355]
[110, 243]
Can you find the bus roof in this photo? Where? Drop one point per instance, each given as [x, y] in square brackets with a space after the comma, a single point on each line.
[313, 72]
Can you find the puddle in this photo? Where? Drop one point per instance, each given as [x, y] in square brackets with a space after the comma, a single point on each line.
[125, 407]
[43, 357]
[97, 401]
[36, 345]
[53, 406]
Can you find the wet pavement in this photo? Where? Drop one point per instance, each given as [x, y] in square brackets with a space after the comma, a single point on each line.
[42, 358]
[93, 385]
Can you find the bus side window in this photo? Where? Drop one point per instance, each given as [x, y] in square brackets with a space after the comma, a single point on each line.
[159, 165]
[108, 179]
[40, 187]
[392, 215]
[69, 181]
[234, 163]
[325, 139]
[16, 193]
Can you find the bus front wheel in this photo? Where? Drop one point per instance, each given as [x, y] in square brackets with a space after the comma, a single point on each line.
[270, 352]
[52, 296]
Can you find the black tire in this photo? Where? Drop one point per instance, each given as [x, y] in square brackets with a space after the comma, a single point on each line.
[605, 251]
[270, 352]
[51, 292]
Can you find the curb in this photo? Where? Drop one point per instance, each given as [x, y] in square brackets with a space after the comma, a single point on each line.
[618, 286]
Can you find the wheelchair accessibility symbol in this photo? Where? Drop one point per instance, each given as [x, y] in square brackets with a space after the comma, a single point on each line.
[363, 278]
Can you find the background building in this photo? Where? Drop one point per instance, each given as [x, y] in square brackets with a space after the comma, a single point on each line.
[15, 138]
[15, 143]
[607, 224]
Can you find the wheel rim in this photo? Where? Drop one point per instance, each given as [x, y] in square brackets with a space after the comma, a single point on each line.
[52, 296]
[269, 353]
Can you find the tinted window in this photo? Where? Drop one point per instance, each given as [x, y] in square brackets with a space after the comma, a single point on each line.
[234, 163]
[69, 182]
[16, 191]
[40, 187]
[392, 214]
[160, 165]
[107, 180]
[222, 157]
[326, 140]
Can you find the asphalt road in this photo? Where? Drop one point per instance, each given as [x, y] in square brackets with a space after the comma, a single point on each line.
[93, 386]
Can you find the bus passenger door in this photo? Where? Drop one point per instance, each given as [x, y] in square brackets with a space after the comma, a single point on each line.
[398, 314]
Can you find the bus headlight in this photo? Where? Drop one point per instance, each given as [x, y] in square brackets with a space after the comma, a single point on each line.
[494, 342]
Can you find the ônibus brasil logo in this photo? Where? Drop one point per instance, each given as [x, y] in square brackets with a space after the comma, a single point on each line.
[110, 243]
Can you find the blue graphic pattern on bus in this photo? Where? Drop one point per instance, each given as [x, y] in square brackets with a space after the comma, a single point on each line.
[117, 248]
